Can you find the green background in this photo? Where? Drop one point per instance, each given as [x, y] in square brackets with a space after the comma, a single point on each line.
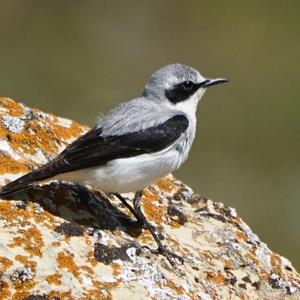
[78, 59]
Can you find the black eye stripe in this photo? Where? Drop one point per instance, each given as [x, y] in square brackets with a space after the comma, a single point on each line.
[181, 91]
[187, 85]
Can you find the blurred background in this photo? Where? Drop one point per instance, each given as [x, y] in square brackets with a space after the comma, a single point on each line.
[78, 59]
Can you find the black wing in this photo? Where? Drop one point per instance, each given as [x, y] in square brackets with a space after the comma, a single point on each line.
[92, 150]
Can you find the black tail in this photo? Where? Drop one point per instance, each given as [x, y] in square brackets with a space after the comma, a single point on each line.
[26, 181]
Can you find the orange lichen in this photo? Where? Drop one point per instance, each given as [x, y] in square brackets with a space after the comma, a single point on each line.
[194, 296]
[238, 219]
[91, 258]
[208, 254]
[45, 216]
[228, 264]
[5, 264]
[152, 211]
[88, 270]
[14, 108]
[217, 278]
[60, 295]
[29, 139]
[66, 133]
[107, 285]
[4, 291]
[175, 244]
[252, 256]
[66, 261]
[145, 237]
[22, 259]
[45, 134]
[54, 279]
[30, 239]
[100, 292]
[116, 269]
[175, 223]
[7, 211]
[264, 274]
[165, 185]
[17, 242]
[20, 295]
[209, 275]
[276, 263]
[23, 287]
[241, 236]
[21, 217]
[35, 137]
[172, 286]
[26, 262]
[241, 296]
[9, 165]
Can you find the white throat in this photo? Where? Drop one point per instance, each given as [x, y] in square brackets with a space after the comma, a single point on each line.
[189, 107]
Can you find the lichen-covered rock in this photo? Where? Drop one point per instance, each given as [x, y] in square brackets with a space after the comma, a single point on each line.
[63, 241]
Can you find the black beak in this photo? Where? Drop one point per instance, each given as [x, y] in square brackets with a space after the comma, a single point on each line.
[209, 82]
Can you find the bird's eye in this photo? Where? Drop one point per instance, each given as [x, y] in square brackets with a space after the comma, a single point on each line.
[187, 85]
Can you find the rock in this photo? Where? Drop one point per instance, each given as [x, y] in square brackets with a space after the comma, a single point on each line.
[64, 241]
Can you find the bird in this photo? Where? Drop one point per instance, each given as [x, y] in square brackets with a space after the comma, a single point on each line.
[135, 144]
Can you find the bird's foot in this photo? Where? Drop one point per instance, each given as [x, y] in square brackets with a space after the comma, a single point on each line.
[168, 254]
[143, 222]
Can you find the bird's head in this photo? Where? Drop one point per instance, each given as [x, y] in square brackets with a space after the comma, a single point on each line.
[178, 83]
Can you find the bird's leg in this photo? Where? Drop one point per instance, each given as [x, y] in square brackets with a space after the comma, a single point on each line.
[137, 212]
[141, 218]
[130, 208]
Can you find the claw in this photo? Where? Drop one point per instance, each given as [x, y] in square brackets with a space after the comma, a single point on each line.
[171, 256]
